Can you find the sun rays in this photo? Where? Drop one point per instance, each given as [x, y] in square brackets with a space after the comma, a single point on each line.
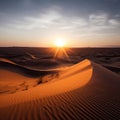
[60, 50]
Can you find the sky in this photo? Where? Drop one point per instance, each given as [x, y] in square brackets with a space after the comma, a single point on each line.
[81, 23]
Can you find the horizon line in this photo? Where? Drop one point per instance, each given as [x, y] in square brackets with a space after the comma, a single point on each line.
[56, 47]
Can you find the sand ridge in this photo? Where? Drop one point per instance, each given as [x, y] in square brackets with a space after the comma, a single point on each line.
[82, 91]
[73, 78]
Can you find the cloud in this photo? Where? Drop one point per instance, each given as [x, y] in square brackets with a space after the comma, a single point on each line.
[102, 23]
[98, 19]
[53, 21]
[114, 22]
[43, 20]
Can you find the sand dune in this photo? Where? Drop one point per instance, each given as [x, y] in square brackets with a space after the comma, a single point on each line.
[113, 68]
[82, 91]
[7, 61]
[14, 77]
[11, 82]
[26, 71]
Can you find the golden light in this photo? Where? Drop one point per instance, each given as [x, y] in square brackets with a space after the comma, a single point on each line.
[59, 43]
[61, 49]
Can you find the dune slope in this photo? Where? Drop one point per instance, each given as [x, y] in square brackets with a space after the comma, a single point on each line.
[83, 91]
[14, 77]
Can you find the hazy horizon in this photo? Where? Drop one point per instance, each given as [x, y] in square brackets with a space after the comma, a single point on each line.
[80, 23]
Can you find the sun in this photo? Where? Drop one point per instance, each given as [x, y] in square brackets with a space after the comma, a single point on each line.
[59, 43]
[61, 49]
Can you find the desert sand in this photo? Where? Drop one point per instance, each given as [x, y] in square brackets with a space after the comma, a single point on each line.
[85, 90]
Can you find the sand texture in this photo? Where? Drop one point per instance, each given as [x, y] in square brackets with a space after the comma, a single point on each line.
[85, 90]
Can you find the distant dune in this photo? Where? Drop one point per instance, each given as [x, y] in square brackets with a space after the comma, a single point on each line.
[85, 90]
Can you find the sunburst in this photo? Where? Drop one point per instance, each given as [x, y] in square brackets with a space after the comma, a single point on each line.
[60, 49]
[60, 43]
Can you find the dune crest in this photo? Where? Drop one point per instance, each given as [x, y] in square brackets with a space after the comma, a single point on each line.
[7, 61]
